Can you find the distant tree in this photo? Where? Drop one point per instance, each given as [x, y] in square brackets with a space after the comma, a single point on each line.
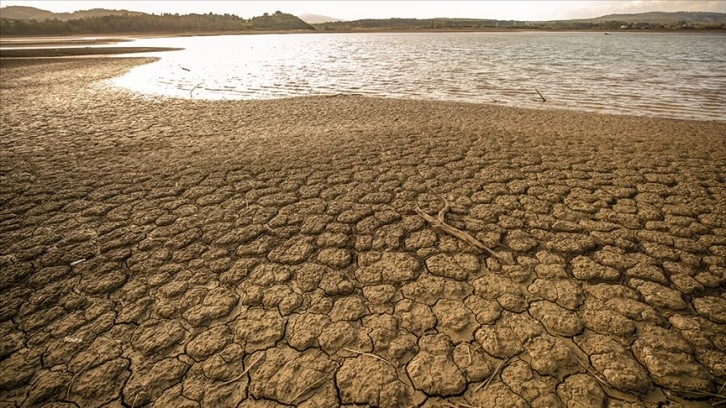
[140, 23]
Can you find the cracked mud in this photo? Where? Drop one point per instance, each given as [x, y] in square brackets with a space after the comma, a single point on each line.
[269, 253]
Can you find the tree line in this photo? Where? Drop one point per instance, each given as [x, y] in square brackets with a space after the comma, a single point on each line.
[485, 24]
[152, 23]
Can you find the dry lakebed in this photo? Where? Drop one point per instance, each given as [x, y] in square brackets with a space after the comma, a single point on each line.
[329, 251]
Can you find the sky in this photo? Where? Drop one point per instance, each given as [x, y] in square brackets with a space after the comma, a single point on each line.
[353, 10]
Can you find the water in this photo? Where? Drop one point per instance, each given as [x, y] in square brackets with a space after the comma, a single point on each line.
[655, 74]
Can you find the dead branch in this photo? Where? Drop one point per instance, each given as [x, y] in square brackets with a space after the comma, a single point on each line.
[370, 355]
[249, 367]
[441, 225]
[485, 384]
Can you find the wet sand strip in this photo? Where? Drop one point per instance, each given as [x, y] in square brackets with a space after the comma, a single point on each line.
[77, 51]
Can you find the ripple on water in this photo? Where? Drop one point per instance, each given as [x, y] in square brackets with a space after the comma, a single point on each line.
[659, 74]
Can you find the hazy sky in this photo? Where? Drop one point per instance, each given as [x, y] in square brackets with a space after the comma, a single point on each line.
[352, 10]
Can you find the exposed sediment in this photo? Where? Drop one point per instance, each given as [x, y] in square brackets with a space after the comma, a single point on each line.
[264, 253]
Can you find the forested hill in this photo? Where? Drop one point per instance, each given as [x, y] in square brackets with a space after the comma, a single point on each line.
[32, 13]
[654, 20]
[140, 23]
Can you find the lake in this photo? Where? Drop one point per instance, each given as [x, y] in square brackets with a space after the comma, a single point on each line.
[676, 75]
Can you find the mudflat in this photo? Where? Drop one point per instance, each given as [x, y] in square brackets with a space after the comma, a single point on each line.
[168, 252]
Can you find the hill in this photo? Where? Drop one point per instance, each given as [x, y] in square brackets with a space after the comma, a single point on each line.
[654, 20]
[317, 18]
[32, 13]
[150, 23]
[664, 18]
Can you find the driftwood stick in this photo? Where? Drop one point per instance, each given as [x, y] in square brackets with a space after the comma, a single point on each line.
[192, 90]
[540, 95]
[440, 224]
[309, 388]
[249, 367]
[73, 379]
[370, 355]
[485, 384]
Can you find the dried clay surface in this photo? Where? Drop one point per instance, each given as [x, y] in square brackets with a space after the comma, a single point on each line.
[164, 252]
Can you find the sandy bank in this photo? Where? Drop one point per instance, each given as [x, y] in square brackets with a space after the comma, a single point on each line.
[256, 253]
[77, 51]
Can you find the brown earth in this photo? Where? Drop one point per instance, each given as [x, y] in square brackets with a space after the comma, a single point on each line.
[163, 252]
[77, 51]
[11, 42]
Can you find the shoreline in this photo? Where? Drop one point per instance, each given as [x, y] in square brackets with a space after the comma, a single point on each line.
[18, 41]
[77, 51]
[170, 250]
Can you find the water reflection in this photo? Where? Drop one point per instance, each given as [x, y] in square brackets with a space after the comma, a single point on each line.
[671, 75]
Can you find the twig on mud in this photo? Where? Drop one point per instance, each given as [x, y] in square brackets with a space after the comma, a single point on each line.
[540, 95]
[192, 90]
[592, 372]
[305, 390]
[73, 379]
[710, 394]
[370, 355]
[74, 263]
[485, 384]
[440, 224]
[133, 404]
[460, 405]
[249, 367]
[468, 351]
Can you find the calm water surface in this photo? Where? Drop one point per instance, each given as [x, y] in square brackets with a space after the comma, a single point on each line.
[655, 74]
